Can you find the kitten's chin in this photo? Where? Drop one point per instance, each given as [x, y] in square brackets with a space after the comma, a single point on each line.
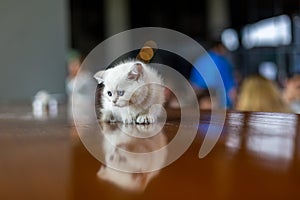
[116, 105]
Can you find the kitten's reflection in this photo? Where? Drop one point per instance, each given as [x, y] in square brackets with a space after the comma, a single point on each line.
[133, 154]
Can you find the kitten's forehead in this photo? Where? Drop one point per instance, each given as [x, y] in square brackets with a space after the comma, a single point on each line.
[118, 75]
[116, 80]
[118, 71]
[119, 85]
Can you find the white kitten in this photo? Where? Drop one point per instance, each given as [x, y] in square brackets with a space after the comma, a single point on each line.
[133, 93]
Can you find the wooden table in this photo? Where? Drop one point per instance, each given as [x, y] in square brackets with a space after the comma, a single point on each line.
[256, 157]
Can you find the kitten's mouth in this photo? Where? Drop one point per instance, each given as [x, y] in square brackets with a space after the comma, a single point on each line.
[120, 104]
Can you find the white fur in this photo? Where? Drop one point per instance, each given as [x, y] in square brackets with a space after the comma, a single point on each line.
[143, 91]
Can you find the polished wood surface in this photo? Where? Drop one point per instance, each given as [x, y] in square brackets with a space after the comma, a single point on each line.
[256, 157]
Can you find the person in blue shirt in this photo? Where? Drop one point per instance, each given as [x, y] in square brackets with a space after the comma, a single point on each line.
[216, 72]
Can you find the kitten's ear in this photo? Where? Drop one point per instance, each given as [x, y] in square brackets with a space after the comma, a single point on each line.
[99, 76]
[136, 72]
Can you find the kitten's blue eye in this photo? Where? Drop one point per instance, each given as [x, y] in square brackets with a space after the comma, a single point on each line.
[121, 93]
[109, 93]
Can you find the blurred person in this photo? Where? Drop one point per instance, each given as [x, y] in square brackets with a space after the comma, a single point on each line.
[258, 93]
[291, 93]
[79, 82]
[73, 67]
[204, 64]
[171, 100]
[207, 99]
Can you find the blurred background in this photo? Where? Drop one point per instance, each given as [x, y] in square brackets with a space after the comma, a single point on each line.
[37, 35]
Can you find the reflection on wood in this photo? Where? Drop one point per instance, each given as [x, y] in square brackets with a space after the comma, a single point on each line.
[257, 157]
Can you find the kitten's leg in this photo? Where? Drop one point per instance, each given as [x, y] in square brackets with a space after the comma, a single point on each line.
[106, 116]
[127, 119]
[150, 116]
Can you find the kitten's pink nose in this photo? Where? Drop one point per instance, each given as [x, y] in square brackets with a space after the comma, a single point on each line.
[114, 101]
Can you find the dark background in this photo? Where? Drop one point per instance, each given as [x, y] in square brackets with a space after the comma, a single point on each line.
[36, 35]
[192, 18]
[189, 17]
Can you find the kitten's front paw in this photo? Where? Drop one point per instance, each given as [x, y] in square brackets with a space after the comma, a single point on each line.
[106, 116]
[145, 119]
